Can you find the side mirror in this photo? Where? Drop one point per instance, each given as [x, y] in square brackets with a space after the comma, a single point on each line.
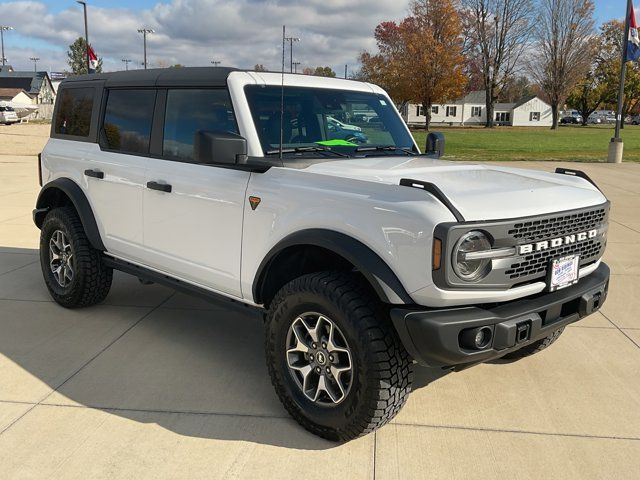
[435, 144]
[219, 148]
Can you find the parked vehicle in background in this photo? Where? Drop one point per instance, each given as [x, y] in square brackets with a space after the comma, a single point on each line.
[364, 258]
[633, 120]
[594, 119]
[344, 131]
[571, 120]
[8, 115]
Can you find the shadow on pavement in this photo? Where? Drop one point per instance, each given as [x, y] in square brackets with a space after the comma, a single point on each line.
[193, 368]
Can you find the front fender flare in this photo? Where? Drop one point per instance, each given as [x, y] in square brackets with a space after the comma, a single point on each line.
[385, 283]
[79, 200]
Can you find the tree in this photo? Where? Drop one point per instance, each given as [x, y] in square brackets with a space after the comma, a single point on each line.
[515, 89]
[420, 59]
[588, 95]
[258, 67]
[497, 34]
[564, 48]
[324, 72]
[77, 57]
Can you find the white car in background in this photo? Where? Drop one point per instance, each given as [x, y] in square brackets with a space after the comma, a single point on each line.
[8, 115]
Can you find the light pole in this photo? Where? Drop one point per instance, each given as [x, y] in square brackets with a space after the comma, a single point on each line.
[35, 63]
[126, 62]
[86, 32]
[215, 63]
[144, 32]
[295, 67]
[291, 40]
[3, 28]
[345, 71]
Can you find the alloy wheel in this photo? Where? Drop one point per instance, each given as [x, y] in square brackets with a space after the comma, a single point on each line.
[61, 258]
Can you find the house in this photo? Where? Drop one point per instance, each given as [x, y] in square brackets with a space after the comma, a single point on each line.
[16, 95]
[37, 85]
[471, 110]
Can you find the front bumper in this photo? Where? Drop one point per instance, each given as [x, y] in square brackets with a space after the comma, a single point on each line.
[433, 337]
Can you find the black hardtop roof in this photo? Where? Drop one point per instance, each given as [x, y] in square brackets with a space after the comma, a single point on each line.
[160, 77]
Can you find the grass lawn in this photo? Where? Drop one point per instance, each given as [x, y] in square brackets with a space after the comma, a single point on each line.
[584, 144]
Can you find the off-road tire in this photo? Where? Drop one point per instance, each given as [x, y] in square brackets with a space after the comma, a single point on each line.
[92, 279]
[382, 368]
[535, 347]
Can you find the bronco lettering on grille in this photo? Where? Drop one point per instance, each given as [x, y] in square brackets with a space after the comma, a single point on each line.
[557, 242]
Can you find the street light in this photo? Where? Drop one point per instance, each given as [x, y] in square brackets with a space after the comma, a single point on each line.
[126, 62]
[215, 63]
[144, 32]
[3, 28]
[295, 67]
[86, 32]
[35, 63]
[291, 40]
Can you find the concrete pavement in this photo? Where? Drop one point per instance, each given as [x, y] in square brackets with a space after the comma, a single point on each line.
[155, 384]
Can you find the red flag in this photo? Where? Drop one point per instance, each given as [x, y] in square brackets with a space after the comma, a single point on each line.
[93, 60]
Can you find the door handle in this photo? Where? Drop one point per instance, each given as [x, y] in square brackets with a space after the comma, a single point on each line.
[161, 187]
[94, 174]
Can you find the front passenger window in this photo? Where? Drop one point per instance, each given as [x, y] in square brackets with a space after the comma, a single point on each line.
[190, 112]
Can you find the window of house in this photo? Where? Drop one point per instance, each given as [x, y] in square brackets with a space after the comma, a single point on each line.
[503, 116]
[534, 116]
[476, 111]
[127, 120]
[452, 111]
[74, 112]
[190, 112]
[435, 110]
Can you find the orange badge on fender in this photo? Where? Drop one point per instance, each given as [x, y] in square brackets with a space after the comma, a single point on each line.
[254, 201]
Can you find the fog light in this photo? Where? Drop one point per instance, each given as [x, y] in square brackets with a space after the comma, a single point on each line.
[476, 338]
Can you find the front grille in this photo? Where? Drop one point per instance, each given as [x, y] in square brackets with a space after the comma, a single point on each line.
[534, 265]
[553, 227]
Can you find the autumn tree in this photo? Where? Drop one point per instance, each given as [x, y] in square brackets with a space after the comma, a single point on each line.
[258, 67]
[563, 48]
[321, 72]
[77, 57]
[497, 33]
[588, 94]
[420, 59]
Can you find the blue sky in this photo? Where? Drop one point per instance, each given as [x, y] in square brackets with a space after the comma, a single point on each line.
[194, 32]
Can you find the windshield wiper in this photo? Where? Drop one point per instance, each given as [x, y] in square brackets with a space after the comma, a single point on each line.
[306, 149]
[382, 148]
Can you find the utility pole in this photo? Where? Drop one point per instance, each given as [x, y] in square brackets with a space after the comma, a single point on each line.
[295, 67]
[35, 63]
[126, 62]
[144, 32]
[291, 40]
[215, 63]
[345, 71]
[616, 147]
[3, 28]
[86, 32]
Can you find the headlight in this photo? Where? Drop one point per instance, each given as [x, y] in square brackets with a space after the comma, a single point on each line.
[471, 270]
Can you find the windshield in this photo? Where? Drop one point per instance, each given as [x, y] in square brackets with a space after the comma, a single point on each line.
[320, 120]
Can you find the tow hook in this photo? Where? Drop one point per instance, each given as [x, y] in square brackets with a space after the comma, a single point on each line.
[523, 332]
[590, 302]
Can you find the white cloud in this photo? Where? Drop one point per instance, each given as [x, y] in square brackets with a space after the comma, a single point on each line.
[239, 33]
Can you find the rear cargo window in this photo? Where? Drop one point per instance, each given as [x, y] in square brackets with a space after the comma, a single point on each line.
[127, 120]
[74, 112]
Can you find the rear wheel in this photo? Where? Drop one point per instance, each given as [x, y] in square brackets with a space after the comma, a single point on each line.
[73, 270]
[334, 359]
[535, 347]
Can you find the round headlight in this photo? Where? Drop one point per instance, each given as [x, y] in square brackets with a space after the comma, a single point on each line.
[471, 270]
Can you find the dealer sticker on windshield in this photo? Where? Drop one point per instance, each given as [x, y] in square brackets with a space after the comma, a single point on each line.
[564, 272]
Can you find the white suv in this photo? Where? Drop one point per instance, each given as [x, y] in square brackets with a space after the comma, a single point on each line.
[365, 256]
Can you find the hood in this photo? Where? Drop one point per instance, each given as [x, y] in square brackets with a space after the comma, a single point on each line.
[479, 192]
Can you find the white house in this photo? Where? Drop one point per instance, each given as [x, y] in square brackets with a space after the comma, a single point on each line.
[471, 110]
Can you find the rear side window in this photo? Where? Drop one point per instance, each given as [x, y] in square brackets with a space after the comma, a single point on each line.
[74, 112]
[127, 120]
[190, 112]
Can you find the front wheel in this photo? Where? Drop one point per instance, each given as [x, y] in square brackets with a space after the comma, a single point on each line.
[334, 359]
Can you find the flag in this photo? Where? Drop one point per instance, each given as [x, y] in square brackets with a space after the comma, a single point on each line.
[633, 42]
[93, 60]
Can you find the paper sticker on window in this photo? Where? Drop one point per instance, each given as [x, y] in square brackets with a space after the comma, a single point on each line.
[383, 103]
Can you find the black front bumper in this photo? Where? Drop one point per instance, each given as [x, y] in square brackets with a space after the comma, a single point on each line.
[433, 337]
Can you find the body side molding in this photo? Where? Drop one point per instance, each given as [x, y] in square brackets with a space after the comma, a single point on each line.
[71, 190]
[379, 275]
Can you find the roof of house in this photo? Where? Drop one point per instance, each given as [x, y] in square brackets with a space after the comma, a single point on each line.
[478, 96]
[31, 82]
[13, 92]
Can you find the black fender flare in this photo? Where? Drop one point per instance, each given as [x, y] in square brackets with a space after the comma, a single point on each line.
[79, 200]
[385, 283]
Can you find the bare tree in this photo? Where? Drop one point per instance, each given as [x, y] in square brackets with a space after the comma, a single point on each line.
[496, 33]
[564, 48]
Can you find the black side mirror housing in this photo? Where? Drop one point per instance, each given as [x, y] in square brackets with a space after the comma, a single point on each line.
[219, 148]
[435, 144]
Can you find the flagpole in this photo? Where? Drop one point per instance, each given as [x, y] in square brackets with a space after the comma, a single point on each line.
[86, 32]
[623, 71]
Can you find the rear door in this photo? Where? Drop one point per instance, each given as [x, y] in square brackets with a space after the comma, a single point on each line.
[192, 212]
